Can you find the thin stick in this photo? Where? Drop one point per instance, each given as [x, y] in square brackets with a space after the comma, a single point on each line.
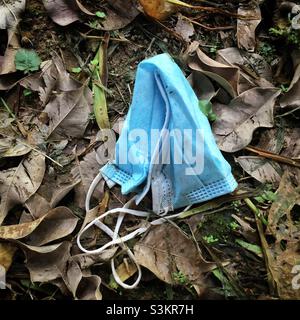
[273, 156]
[207, 27]
[7, 108]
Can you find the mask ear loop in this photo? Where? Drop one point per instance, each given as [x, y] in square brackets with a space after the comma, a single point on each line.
[113, 234]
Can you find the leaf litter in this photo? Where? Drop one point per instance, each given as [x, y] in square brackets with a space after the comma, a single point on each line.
[50, 146]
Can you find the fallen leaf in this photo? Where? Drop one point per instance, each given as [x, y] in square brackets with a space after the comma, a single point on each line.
[119, 14]
[226, 76]
[158, 253]
[56, 186]
[158, 9]
[246, 27]
[62, 12]
[292, 97]
[202, 86]
[10, 12]
[85, 171]
[283, 254]
[264, 171]
[37, 206]
[69, 107]
[254, 71]
[18, 184]
[237, 121]
[7, 251]
[57, 224]
[48, 262]
[12, 48]
[184, 28]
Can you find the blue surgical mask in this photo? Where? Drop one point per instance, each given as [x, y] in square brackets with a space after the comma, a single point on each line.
[165, 124]
[166, 146]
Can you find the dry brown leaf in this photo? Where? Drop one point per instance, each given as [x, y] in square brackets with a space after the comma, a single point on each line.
[37, 206]
[62, 12]
[57, 224]
[119, 14]
[7, 251]
[254, 70]
[13, 46]
[165, 250]
[158, 9]
[246, 27]
[85, 171]
[48, 262]
[226, 76]
[202, 86]
[82, 287]
[262, 170]
[292, 97]
[283, 255]
[184, 28]
[69, 112]
[18, 184]
[237, 121]
[10, 12]
[56, 186]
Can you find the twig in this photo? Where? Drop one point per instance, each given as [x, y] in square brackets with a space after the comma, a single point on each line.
[273, 156]
[7, 108]
[207, 27]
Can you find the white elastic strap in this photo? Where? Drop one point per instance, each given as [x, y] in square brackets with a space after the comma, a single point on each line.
[113, 234]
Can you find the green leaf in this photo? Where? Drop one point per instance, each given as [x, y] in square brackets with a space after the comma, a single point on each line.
[76, 70]
[250, 247]
[206, 107]
[27, 92]
[100, 14]
[27, 60]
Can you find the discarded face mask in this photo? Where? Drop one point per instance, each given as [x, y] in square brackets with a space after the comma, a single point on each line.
[166, 145]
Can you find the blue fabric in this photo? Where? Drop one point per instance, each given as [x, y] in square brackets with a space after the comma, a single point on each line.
[163, 98]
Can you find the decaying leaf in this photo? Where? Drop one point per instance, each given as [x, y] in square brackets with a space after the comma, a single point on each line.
[62, 12]
[7, 251]
[254, 71]
[158, 9]
[263, 170]
[10, 12]
[236, 122]
[46, 263]
[18, 184]
[283, 255]
[85, 171]
[165, 250]
[184, 28]
[292, 97]
[246, 27]
[226, 76]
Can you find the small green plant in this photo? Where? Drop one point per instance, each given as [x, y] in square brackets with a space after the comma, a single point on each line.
[27, 60]
[267, 51]
[284, 88]
[236, 205]
[100, 14]
[266, 196]
[180, 278]
[76, 70]
[27, 92]
[210, 239]
[233, 225]
[290, 35]
[206, 107]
